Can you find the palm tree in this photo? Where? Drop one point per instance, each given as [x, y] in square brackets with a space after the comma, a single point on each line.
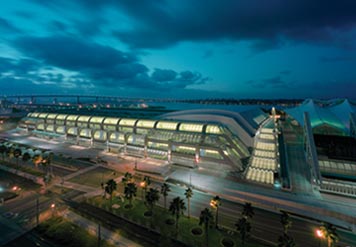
[247, 211]
[9, 152]
[130, 192]
[164, 191]
[206, 217]
[286, 241]
[188, 194]
[329, 231]
[244, 228]
[110, 187]
[17, 154]
[127, 179]
[216, 203]
[26, 157]
[152, 197]
[144, 184]
[37, 159]
[177, 208]
[286, 222]
[47, 157]
[3, 151]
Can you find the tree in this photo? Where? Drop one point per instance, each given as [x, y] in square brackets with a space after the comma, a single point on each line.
[144, 184]
[37, 159]
[9, 152]
[244, 228]
[110, 187]
[130, 192]
[216, 203]
[247, 211]
[188, 194]
[26, 157]
[127, 179]
[47, 157]
[206, 217]
[329, 231]
[177, 208]
[286, 241]
[164, 191]
[17, 153]
[152, 198]
[3, 150]
[286, 222]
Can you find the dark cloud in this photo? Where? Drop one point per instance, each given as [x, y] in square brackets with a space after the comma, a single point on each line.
[164, 75]
[101, 66]
[336, 59]
[71, 53]
[268, 24]
[19, 67]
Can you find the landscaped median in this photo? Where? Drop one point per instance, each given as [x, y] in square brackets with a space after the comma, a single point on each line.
[163, 222]
[64, 233]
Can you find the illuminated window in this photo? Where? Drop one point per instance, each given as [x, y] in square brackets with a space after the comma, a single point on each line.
[127, 122]
[167, 125]
[191, 127]
[213, 129]
[83, 119]
[110, 120]
[146, 123]
[96, 120]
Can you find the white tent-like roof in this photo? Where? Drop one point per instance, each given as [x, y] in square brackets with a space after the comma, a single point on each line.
[334, 113]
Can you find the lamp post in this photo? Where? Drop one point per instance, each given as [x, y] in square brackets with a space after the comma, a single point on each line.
[319, 233]
[215, 203]
[53, 206]
[143, 185]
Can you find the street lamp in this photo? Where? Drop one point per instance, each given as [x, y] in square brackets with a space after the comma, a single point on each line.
[53, 206]
[319, 233]
[143, 186]
[215, 203]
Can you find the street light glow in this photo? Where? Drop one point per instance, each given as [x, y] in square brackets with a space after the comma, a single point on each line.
[319, 233]
[53, 205]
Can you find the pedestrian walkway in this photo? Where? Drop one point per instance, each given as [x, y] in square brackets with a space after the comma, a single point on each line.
[75, 186]
[72, 175]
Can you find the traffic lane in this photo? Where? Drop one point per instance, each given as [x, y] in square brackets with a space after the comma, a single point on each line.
[264, 222]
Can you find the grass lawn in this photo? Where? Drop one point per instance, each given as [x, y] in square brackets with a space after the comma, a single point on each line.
[159, 222]
[95, 177]
[8, 180]
[25, 168]
[65, 233]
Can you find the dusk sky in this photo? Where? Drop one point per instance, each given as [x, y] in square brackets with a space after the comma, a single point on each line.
[179, 48]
